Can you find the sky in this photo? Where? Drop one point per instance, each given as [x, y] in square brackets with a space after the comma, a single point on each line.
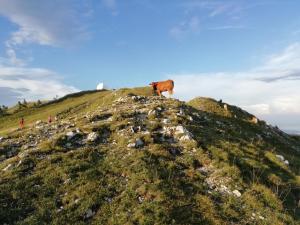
[246, 53]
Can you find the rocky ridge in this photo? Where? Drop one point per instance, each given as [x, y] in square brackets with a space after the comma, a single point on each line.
[150, 160]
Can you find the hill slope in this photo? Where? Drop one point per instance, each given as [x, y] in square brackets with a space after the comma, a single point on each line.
[126, 157]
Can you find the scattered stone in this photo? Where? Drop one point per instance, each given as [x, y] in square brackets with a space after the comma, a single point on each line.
[109, 200]
[181, 112]
[38, 122]
[131, 145]
[186, 137]
[254, 120]
[225, 107]
[282, 159]
[70, 135]
[180, 130]
[237, 193]
[165, 121]
[89, 213]
[1, 139]
[261, 217]
[7, 167]
[92, 137]
[139, 143]
[141, 199]
[132, 130]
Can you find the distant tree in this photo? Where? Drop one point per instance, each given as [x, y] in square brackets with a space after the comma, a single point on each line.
[3, 110]
[39, 102]
[20, 105]
[24, 102]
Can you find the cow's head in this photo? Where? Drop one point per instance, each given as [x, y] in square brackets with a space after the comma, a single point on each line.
[154, 85]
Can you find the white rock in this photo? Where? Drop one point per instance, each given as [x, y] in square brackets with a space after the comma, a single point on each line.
[280, 157]
[181, 112]
[7, 167]
[141, 199]
[38, 122]
[225, 107]
[237, 193]
[190, 118]
[1, 138]
[109, 200]
[286, 162]
[93, 136]
[180, 130]
[70, 135]
[165, 121]
[139, 143]
[186, 137]
[19, 163]
[131, 145]
[152, 112]
[89, 213]
[261, 217]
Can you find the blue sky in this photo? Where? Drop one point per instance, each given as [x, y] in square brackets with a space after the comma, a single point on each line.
[245, 52]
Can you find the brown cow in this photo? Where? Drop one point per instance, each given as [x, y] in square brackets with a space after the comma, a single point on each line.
[163, 86]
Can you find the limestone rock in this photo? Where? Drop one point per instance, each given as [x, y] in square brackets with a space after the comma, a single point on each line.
[92, 137]
[237, 193]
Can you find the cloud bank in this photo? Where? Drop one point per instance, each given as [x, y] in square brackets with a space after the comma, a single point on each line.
[54, 23]
[30, 84]
[270, 91]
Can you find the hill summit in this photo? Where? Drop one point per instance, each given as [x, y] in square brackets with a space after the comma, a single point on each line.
[127, 157]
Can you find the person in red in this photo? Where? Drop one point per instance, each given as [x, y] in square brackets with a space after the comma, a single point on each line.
[50, 119]
[22, 122]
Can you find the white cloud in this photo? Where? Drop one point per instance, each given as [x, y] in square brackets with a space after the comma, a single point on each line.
[267, 90]
[18, 83]
[44, 22]
[227, 27]
[52, 23]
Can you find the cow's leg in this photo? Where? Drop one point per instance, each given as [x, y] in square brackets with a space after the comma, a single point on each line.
[170, 92]
[158, 92]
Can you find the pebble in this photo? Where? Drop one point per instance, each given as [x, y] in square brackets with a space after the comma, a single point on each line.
[237, 193]
[7, 167]
[70, 135]
[89, 213]
[93, 136]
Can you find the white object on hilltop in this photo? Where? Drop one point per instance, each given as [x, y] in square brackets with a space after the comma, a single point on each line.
[101, 86]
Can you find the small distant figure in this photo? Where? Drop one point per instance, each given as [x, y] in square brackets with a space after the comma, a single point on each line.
[162, 86]
[50, 119]
[22, 123]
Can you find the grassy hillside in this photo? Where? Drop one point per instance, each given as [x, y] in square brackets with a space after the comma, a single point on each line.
[126, 157]
[68, 105]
